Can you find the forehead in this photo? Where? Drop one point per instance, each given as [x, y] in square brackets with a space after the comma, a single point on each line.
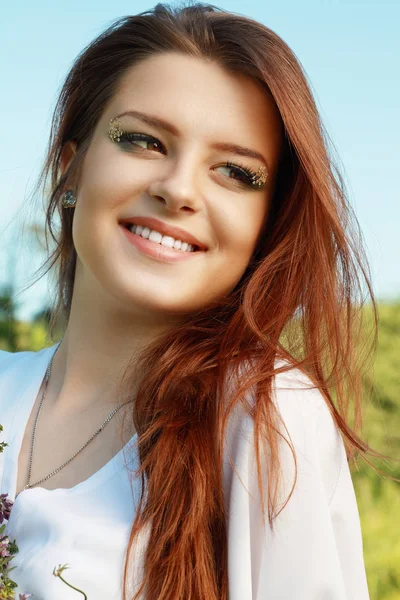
[200, 97]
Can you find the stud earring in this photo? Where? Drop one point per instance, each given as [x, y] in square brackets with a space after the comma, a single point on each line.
[68, 200]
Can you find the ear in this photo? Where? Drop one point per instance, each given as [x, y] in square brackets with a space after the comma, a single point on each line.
[67, 155]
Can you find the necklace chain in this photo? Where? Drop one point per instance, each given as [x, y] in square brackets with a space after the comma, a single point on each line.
[106, 420]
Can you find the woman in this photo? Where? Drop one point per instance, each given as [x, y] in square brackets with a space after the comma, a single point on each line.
[209, 277]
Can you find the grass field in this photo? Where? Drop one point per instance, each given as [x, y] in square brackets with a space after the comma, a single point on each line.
[379, 498]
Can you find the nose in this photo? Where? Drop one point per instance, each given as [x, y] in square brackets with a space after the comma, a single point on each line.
[177, 186]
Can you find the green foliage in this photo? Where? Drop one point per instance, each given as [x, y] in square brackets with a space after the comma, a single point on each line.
[378, 497]
[7, 585]
[379, 515]
[7, 315]
[29, 336]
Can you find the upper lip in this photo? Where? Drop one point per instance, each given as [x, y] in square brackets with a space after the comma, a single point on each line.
[165, 229]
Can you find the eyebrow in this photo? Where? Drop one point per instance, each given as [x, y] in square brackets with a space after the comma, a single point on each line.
[223, 146]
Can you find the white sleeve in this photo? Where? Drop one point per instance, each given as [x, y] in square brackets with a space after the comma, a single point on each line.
[343, 508]
[314, 551]
[319, 540]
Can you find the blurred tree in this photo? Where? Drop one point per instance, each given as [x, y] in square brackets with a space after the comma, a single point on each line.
[8, 305]
[8, 321]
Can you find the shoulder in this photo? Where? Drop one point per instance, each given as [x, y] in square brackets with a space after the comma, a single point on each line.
[309, 418]
[296, 399]
[294, 390]
[18, 368]
[301, 403]
[20, 375]
[4, 355]
[304, 421]
[317, 529]
[15, 375]
[12, 360]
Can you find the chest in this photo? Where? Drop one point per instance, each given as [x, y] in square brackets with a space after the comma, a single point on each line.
[86, 530]
[59, 435]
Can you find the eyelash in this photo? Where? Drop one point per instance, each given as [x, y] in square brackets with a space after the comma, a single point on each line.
[250, 175]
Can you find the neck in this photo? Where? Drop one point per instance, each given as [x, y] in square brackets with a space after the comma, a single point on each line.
[97, 347]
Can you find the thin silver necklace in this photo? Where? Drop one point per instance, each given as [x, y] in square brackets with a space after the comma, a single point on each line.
[110, 416]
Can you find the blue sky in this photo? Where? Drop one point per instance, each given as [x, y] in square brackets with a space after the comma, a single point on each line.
[350, 51]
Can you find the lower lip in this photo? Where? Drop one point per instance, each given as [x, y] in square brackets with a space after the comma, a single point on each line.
[157, 251]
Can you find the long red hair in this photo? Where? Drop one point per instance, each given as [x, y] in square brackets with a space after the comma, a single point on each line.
[300, 299]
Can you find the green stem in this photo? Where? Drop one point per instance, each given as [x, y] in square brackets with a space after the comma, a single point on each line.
[71, 586]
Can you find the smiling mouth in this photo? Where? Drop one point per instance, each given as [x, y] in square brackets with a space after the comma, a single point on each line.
[158, 238]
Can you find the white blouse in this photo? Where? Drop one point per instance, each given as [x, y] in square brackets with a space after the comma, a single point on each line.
[315, 551]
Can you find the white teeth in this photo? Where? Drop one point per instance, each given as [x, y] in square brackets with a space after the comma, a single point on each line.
[177, 244]
[165, 240]
[155, 236]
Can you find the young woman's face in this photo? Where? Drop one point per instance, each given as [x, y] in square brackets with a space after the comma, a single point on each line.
[176, 174]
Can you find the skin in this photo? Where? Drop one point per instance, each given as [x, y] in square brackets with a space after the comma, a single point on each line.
[123, 299]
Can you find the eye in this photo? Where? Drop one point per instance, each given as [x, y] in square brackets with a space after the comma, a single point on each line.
[246, 176]
[134, 139]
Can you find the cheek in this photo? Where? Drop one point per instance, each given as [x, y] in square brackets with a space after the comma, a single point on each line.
[237, 241]
[240, 229]
[98, 199]
[107, 180]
